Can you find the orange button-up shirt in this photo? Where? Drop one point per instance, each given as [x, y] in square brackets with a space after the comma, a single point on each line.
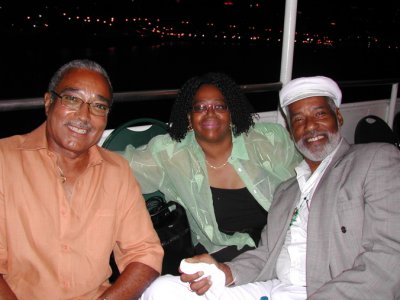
[53, 248]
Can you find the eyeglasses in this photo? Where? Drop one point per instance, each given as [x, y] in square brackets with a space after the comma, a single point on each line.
[97, 108]
[202, 108]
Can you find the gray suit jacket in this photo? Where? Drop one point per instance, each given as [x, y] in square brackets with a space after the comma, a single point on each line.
[353, 243]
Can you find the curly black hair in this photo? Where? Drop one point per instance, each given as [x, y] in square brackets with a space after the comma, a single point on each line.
[242, 113]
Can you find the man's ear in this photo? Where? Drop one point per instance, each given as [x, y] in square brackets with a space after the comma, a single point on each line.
[48, 101]
[339, 117]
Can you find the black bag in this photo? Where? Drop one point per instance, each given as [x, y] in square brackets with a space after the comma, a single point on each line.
[171, 224]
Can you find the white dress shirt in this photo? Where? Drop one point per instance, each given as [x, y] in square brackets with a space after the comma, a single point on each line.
[291, 263]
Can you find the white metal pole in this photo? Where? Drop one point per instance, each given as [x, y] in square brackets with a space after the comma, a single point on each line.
[392, 104]
[289, 32]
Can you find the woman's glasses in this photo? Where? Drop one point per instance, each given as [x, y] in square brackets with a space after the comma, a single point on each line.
[202, 108]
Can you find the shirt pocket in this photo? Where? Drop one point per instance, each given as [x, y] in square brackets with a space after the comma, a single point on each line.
[350, 214]
[100, 236]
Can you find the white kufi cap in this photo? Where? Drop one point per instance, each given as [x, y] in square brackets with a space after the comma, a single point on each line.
[305, 87]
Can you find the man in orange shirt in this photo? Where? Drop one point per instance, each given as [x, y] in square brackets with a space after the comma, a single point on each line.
[67, 204]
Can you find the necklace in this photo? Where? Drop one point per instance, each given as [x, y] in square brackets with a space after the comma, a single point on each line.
[296, 211]
[216, 167]
[63, 177]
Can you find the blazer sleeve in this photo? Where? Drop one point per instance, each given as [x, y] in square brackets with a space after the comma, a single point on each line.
[375, 273]
[247, 267]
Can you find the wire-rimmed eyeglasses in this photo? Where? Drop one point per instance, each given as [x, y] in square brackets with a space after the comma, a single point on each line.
[97, 108]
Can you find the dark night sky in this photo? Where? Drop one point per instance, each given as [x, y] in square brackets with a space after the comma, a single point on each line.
[315, 15]
[29, 55]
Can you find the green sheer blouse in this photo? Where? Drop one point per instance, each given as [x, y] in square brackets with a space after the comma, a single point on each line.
[263, 158]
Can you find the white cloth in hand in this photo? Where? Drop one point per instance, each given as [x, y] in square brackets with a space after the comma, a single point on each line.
[216, 275]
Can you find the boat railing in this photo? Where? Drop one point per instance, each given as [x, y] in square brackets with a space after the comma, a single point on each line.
[132, 96]
[385, 106]
[150, 95]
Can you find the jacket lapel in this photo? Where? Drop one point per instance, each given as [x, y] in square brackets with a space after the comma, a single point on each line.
[319, 227]
[278, 223]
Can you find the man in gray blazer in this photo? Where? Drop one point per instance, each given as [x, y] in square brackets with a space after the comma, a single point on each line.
[333, 231]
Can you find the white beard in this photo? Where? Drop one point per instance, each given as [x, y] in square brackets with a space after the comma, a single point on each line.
[323, 151]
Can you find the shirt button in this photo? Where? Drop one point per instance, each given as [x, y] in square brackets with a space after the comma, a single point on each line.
[343, 229]
[240, 169]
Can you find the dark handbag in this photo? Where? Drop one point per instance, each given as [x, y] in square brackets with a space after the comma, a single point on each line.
[171, 224]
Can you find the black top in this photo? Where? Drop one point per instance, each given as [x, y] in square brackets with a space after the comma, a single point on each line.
[237, 211]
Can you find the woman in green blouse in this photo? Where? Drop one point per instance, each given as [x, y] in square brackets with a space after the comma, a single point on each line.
[219, 164]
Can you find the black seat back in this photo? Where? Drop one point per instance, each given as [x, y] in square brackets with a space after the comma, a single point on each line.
[124, 135]
[373, 129]
[396, 126]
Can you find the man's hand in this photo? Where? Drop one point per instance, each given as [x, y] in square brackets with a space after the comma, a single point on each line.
[201, 286]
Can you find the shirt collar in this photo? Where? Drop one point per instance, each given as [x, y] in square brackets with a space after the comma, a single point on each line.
[239, 149]
[36, 139]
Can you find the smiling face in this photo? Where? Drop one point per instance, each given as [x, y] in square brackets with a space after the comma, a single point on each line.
[72, 132]
[213, 124]
[315, 128]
